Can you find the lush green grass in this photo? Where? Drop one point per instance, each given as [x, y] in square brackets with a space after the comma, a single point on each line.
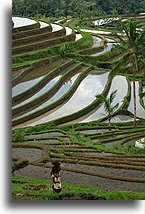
[84, 139]
[24, 188]
[29, 62]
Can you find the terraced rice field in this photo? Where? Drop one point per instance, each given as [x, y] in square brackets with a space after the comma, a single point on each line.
[49, 89]
[83, 162]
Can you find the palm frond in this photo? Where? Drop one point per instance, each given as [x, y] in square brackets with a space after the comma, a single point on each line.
[116, 106]
[122, 63]
[118, 37]
[112, 96]
[107, 106]
[101, 97]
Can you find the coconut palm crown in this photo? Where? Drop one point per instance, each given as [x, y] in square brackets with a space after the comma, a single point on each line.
[109, 108]
[132, 42]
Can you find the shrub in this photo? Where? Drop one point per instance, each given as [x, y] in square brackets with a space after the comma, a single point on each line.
[18, 136]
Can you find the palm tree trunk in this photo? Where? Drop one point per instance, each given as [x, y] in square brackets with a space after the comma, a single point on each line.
[134, 99]
[135, 70]
[109, 119]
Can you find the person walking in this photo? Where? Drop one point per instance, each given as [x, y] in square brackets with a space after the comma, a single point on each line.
[56, 177]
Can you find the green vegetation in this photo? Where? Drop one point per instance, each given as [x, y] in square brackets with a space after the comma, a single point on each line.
[134, 47]
[100, 150]
[75, 8]
[24, 188]
[18, 136]
[109, 109]
[84, 42]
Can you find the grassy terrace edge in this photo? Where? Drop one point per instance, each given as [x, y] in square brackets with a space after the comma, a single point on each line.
[40, 84]
[20, 184]
[49, 93]
[65, 97]
[84, 42]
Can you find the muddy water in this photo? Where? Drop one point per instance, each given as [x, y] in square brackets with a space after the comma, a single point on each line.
[82, 179]
[66, 139]
[84, 95]
[65, 87]
[93, 131]
[27, 153]
[43, 141]
[139, 108]
[120, 84]
[46, 134]
[128, 142]
[56, 27]
[111, 144]
[109, 171]
[100, 154]
[24, 86]
[19, 21]
[42, 91]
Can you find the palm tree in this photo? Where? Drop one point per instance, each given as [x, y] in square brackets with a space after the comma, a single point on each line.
[109, 108]
[132, 42]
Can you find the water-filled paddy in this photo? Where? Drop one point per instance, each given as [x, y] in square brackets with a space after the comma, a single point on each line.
[105, 21]
[111, 171]
[46, 134]
[21, 87]
[19, 21]
[65, 87]
[51, 140]
[120, 84]
[96, 41]
[78, 36]
[56, 27]
[120, 119]
[111, 144]
[85, 94]
[27, 153]
[43, 24]
[100, 32]
[68, 30]
[58, 21]
[82, 179]
[93, 131]
[96, 31]
[139, 108]
[42, 91]
[107, 48]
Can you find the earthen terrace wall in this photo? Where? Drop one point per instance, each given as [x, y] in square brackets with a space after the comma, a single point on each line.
[25, 28]
[39, 37]
[42, 45]
[27, 33]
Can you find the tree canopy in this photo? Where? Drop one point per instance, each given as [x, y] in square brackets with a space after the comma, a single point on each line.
[75, 8]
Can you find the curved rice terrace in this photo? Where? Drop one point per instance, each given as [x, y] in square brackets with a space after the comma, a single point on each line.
[58, 69]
